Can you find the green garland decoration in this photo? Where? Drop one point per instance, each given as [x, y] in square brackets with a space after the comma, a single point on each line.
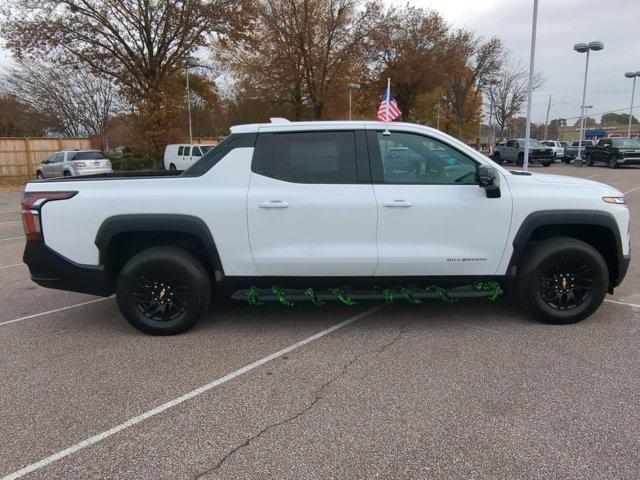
[492, 288]
[280, 295]
[441, 293]
[387, 293]
[408, 296]
[341, 296]
[310, 292]
[253, 298]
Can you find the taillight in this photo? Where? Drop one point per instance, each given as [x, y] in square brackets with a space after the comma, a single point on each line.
[31, 204]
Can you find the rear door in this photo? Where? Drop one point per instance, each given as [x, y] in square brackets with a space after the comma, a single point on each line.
[310, 206]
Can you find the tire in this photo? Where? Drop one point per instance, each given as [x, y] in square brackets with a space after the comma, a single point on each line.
[157, 272]
[497, 159]
[546, 164]
[520, 161]
[612, 162]
[66, 173]
[566, 160]
[39, 175]
[555, 278]
[172, 167]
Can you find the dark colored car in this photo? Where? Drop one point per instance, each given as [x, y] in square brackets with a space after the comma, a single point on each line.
[571, 151]
[615, 152]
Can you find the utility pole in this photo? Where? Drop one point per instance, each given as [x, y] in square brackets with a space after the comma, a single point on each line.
[546, 122]
[532, 57]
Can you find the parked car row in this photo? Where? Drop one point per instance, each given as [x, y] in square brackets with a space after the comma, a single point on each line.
[513, 151]
[73, 163]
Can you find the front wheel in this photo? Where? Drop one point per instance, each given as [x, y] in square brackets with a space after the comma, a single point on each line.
[562, 280]
[546, 164]
[163, 290]
[520, 161]
[589, 160]
[39, 175]
[612, 162]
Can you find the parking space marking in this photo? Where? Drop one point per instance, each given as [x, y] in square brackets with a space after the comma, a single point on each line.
[10, 211]
[61, 309]
[11, 221]
[632, 190]
[12, 265]
[593, 176]
[181, 399]
[626, 304]
[10, 238]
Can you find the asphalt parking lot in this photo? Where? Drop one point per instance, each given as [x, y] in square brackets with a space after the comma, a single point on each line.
[473, 389]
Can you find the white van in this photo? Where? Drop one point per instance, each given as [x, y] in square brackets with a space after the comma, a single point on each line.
[182, 156]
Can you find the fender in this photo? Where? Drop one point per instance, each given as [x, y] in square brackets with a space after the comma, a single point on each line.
[160, 222]
[572, 217]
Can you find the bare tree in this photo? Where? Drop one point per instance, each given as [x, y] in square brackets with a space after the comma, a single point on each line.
[81, 102]
[507, 92]
[470, 66]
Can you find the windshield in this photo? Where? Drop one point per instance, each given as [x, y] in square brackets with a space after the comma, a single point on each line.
[206, 148]
[88, 156]
[549, 144]
[532, 142]
[625, 142]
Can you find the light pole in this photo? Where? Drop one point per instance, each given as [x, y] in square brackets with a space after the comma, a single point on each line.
[633, 91]
[189, 63]
[585, 48]
[532, 57]
[351, 87]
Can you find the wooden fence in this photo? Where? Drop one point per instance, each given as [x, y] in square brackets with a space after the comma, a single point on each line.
[20, 156]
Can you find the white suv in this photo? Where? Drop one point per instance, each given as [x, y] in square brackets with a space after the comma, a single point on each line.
[72, 163]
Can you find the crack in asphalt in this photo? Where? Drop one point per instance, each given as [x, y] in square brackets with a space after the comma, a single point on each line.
[317, 396]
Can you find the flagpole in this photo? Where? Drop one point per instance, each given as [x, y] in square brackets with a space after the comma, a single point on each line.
[386, 117]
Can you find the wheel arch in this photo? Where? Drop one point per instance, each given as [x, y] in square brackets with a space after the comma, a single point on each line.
[598, 229]
[122, 236]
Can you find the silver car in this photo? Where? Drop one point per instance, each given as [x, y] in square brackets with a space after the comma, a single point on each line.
[72, 163]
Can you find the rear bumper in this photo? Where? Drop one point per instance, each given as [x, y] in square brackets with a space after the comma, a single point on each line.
[81, 172]
[52, 270]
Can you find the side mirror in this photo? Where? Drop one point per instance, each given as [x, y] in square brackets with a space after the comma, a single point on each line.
[489, 180]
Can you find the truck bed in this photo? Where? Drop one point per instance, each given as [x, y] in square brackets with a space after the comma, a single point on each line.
[113, 176]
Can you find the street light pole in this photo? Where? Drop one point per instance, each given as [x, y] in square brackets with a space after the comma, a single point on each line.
[633, 91]
[532, 58]
[189, 104]
[582, 48]
[351, 87]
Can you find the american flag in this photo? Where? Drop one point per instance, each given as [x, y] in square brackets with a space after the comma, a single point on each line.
[393, 112]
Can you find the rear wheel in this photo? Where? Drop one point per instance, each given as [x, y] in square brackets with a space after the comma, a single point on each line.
[562, 280]
[520, 159]
[172, 167]
[66, 173]
[163, 290]
[612, 162]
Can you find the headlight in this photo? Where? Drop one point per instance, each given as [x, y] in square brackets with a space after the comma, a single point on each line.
[616, 200]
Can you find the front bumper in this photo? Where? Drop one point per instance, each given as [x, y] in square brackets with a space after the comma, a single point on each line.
[52, 270]
[623, 266]
[628, 161]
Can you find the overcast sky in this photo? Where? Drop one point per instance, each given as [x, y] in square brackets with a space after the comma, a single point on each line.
[561, 24]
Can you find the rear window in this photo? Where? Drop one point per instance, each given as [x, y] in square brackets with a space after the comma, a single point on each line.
[87, 156]
[315, 157]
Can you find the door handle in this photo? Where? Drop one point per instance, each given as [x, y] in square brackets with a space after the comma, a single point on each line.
[397, 203]
[274, 204]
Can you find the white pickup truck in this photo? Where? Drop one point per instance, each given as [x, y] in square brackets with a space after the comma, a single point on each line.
[327, 204]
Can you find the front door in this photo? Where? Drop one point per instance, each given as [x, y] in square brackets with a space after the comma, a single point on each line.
[433, 217]
[311, 207]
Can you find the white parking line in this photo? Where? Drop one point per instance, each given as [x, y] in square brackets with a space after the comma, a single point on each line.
[632, 190]
[35, 315]
[11, 221]
[12, 265]
[593, 176]
[10, 211]
[626, 304]
[183, 398]
[10, 238]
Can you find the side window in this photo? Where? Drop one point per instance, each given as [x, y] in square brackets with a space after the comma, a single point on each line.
[315, 157]
[511, 143]
[180, 150]
[58, 157]
[196, 152]
[71, 156]
[416, 159]
[187, 151]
